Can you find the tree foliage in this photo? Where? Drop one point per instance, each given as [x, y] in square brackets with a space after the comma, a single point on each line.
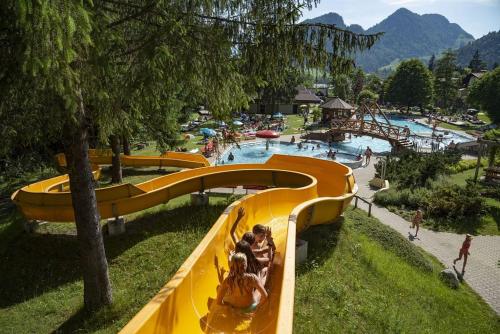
[476, 64]
[411, 84]
[77, 70]
[485, 93]
[445, 82]
[342, 86]
[367, 96]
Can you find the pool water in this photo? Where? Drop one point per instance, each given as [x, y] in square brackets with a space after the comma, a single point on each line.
[256, 152]
[414, 127]
[423, 131]
[346, 151]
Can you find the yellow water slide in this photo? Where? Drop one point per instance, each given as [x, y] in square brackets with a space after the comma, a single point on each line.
[304, 191]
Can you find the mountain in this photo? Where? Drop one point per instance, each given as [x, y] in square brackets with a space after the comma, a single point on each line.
[406, 35]
[488, 47]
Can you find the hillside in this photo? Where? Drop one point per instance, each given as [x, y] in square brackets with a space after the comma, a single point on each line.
[407, 35]
[488, 46]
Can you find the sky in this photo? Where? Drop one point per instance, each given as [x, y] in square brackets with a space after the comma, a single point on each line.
[477, 17]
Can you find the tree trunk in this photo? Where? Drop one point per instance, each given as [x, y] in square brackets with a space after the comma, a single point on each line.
[493, 153]
[116, 167]
[126, 145]
[96, 284]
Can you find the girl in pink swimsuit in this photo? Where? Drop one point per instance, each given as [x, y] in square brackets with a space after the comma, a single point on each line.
[464, 251]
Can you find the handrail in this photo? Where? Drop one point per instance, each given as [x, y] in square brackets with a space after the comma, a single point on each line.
[356, 197]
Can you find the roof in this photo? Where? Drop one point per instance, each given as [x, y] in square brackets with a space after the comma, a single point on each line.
[478, 74]
[304, 95]
[203, 112]
[336, 103]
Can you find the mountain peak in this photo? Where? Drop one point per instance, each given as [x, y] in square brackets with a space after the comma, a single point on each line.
[406, 35]
[403, 10]
[328, 18]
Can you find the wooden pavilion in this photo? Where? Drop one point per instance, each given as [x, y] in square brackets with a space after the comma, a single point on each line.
[335, 109]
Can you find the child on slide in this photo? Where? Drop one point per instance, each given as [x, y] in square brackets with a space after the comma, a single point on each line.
[240, 289]
[255, 265]
[260, 239]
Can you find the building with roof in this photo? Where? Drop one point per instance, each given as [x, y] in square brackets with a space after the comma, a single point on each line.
[471, 77]
[336, 108]
[303, 97]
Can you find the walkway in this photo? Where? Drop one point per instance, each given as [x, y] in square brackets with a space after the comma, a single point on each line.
[483, 266]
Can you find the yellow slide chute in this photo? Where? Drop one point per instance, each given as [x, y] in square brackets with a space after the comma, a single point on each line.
[305, 191]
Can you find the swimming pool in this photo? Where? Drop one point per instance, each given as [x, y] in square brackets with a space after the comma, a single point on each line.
[424, 132]
[256, 152]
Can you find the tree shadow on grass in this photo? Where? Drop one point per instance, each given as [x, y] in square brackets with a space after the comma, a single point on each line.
[150, 173]
[32, 264]
[322, 242]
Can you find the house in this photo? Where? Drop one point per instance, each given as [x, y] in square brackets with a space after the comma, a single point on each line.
[303, 96]
[471, 77]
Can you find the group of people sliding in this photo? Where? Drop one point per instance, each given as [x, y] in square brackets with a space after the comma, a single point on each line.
[250, 265]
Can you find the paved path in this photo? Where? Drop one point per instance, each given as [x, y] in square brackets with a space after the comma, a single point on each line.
[483, 266]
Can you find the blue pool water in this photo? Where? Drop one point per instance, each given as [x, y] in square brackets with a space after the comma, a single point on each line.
[347, 150]
[256, 152]
[415, 127]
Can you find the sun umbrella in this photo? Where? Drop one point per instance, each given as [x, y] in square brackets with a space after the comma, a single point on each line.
[267, 134]
[237, 123]
[208, 132]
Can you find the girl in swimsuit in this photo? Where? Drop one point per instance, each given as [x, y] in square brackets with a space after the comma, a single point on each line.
[464, 251]
[255, 265]
[239, 289]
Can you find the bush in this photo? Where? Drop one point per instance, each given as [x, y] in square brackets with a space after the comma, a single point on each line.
[399, 197]
[411, 169]
[463, 165]
[454, 202]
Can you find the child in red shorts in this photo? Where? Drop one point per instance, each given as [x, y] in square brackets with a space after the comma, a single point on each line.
[464, 251]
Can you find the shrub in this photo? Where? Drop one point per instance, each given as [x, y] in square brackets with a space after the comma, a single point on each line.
[411, 199]
[454, 202]
[463, 165]
[411, 169]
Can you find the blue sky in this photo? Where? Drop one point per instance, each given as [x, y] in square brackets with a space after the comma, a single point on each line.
[477, 17]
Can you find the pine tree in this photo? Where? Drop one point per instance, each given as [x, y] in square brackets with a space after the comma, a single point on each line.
[431, 64]
[476, 64]
[118, 66]
[445, 82]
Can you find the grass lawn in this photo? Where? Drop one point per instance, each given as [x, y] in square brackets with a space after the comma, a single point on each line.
[295, 124]
[484, 117]
[366, 278]
[41, 275]
[349, 284]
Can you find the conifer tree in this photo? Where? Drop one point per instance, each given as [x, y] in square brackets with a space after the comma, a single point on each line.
[116, 65]
[431, 64]
[445, 83]
[476, 64]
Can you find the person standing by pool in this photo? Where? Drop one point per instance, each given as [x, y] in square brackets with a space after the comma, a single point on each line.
[230, 157]
[464, 251]
[368, 155]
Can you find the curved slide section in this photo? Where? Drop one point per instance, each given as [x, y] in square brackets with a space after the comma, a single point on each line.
[306, 191]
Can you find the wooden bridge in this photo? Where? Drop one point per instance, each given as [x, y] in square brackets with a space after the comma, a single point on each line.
[397, 136]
